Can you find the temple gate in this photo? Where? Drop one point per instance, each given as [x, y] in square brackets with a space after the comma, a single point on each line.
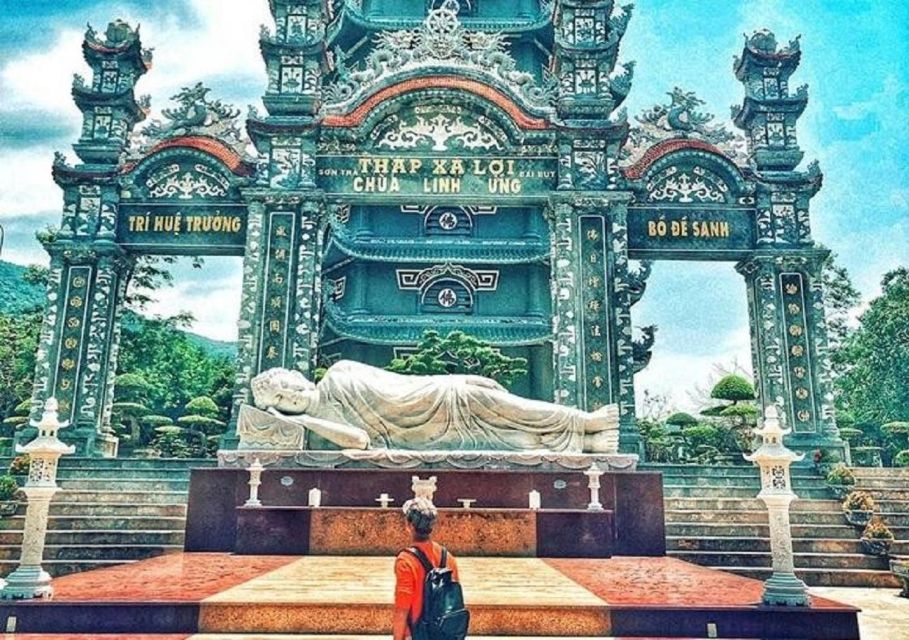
[454, 166]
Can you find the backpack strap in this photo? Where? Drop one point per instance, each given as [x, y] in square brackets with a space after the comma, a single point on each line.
[419, 555]
[444, 561]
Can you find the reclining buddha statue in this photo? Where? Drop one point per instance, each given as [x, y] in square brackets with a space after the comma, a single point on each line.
[357, 406]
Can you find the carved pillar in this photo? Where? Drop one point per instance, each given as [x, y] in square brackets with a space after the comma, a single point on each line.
[789, 345]
[593, 354]
[305, 338]
[77, 350]
[565, 304]
[95, 376]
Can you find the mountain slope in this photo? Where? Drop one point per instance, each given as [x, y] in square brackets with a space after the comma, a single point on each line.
[16, 295]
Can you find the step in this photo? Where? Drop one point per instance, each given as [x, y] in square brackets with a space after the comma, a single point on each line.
[118, 523]
[876, 472]
[689, 491]
[832, 561]
[115, 473]
[94, 552]
[901, 495]
[756, 543]
[102, 536]
[113, 495]
[882, 482]
[58, 568]
[712, 529]
[745, 504]
[827, 578]
[96, 484]
[137, 463]
[116, 509]
[744, 470]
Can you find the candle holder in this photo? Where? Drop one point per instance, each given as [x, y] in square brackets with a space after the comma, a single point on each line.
[593, 483]
[255, 479]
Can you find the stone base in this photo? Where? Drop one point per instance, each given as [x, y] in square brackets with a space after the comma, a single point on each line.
[785, 590]
[403, 459]
[216, 517]
[27, 582]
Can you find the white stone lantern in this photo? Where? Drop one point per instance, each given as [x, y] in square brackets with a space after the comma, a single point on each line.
[774, 459]
[29, 580]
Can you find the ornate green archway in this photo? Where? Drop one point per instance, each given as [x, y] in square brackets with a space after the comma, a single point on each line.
[441, 170]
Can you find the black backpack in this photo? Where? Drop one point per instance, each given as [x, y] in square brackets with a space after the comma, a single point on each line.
[444, 616]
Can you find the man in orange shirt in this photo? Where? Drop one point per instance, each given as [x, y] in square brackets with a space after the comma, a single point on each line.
[420, 515]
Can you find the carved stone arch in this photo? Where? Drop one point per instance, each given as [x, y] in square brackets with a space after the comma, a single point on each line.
[480, 106]
[686, 172]
[185, 170]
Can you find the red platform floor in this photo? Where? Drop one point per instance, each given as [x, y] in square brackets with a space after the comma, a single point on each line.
[218, 593]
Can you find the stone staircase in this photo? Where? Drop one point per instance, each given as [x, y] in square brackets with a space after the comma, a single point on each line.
[714, 519]
[116, 511]
[107, 512]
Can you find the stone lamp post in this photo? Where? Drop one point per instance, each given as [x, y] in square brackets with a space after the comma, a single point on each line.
[783, 587]
[29, 580]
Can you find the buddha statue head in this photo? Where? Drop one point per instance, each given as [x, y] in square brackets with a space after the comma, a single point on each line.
[285, 390]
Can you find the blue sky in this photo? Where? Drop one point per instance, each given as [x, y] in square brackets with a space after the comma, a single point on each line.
[855, 55]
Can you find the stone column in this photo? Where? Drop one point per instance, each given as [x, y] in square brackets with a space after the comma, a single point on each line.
[593, 354]
[29, 580]
[783, 587]
[247, 328]
[789, 345]
[75, 360]
[305, 336]
[96, 376]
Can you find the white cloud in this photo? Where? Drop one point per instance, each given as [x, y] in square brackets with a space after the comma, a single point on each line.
[678, 374]
[211, 294]
[28, 188]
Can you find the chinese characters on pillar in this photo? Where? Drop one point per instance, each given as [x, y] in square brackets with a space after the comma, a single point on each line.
[69, 356]
[595, 347]
[797, 351]
[277, 298]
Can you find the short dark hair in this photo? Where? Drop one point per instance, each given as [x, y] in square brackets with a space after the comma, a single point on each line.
[421, 514]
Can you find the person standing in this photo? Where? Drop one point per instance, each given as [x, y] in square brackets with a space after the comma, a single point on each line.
[428, 599]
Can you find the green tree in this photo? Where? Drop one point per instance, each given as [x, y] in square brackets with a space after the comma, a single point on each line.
[873, 385]
[176, 369]
[840, 299]
[462, 354]
[681, 419]
[733, 388]
[18, 344]
[201, 414]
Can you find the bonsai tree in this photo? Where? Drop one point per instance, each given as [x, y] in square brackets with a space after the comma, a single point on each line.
[9, 488]
[877, 530]
[858, 501]
[876, 538]
[130, 411]
[658, 444]
[19, 417]
[19, 465]
[460, 353]
[896, 437]
[202, 415]
[733, 388]
[840, 476]
[680, 420]
[195, 434]
[901, 459]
